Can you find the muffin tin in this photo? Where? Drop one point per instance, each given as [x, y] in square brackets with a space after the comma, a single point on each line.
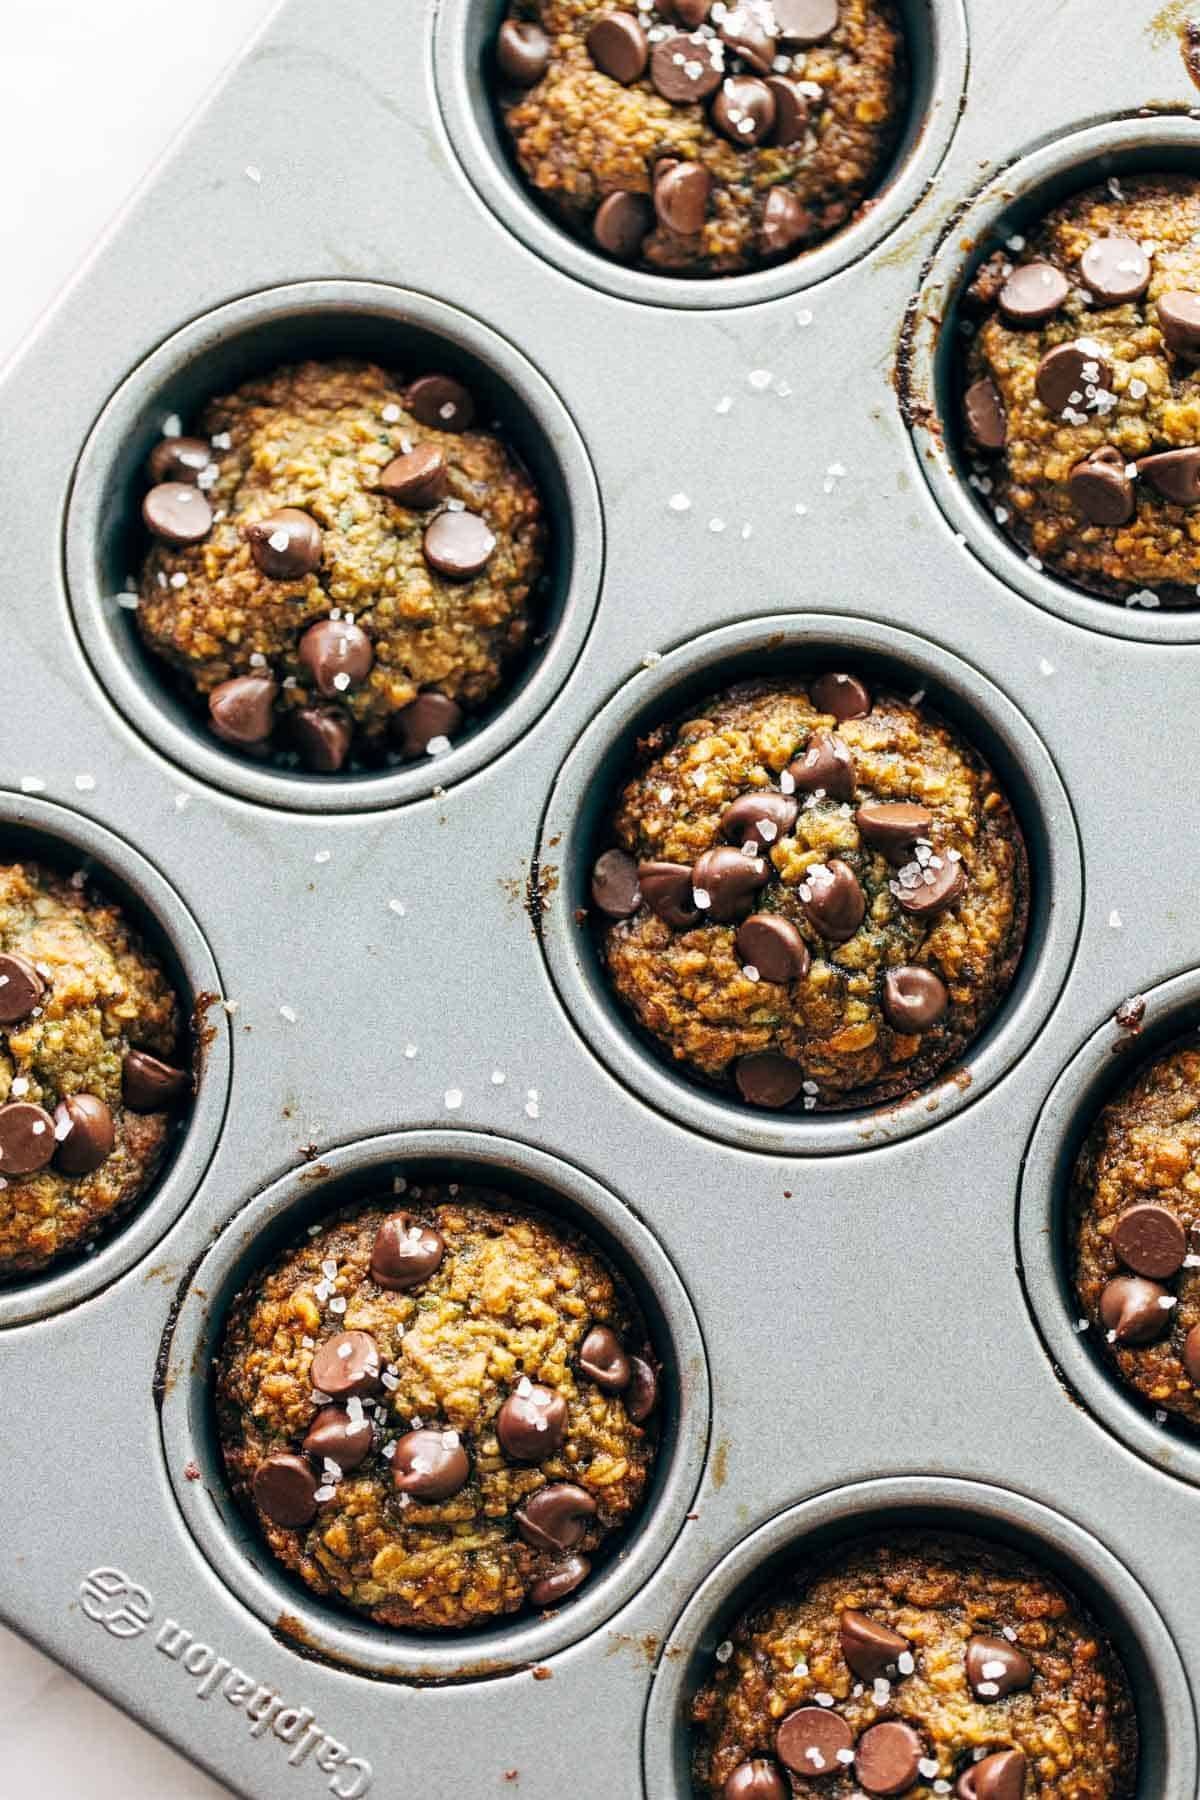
[863, 1320]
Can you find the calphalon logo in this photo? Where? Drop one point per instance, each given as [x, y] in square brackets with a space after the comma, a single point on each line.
[125, 1609]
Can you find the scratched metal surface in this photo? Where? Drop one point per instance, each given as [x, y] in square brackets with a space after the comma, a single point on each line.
[874, 1323]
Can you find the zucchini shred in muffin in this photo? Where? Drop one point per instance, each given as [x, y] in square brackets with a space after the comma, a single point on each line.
[1136, 1234]
[88, 1020]
[438, 1415]
[341, 566]
[921, 1666]
[1082, 390]
[818, 892]
[702, 137]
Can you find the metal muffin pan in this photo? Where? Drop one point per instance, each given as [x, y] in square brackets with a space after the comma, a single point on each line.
[863, 1317]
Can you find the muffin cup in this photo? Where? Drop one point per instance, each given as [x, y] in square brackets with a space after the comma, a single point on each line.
[66, 840]
[1022, 192]
[214, 354]
[1166, 1719]
[570, 837]
[228, 1538]
[465, 32]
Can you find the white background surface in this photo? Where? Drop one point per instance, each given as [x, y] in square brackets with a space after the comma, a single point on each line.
[91, 94]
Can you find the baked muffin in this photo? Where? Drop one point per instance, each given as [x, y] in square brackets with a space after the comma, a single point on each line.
[1136, 1232]
[1081, 390]
[921, 1666]
[699, 137]
[90, 1066]
[817, 895]
[439, 1415]
[340, 563]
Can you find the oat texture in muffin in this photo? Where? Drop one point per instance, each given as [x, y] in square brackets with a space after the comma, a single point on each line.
[341, 563]
[696, 137]
[1082, 390]
[814, 890]
[922, 1666]
[90, 1065]
[439, 1415]
[1136, 1234]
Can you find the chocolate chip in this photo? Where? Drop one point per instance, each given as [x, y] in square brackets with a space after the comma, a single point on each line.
[1150, 1240]
[913, 999]
[1175, 474]
[834, 904]
[724, 882]
[681, 197]
[744, 110]
[522, 52]
[1101, 489]
[773, 946]
[617, 45]
[756, 1780]
[555, 1518]
[560, 1582]
[149, 1085]
[615, 890]
[346, 1364]
[761, 817]
[532, 1423]
[869, 1648]
[242, 710]
[687, 68]
[322, 735]
[784, 222]
[286, 545]
[688, 13]
[996, 1668]
[458, 544]
[805, 22]
[984, 415]
[742, 30]
[1179, 316]
[179, 459]
[21, 989]
[1065, 373]
[405, 1253]
[418, 479]
[177, 512]
[621, 223]
[667, 890]
[91, 1137]
[602, 1358]
[893, 827]
[641, 1396]
[440, 401]
[284, 1488]
[1033, 292]
[1000, 1776]
[333, 1435]
[1191, 1354]
[765, 1079]
[26, 1138]
[1116, 269]
[336, 655]
[929, 897]
[808, 1741]
[842, 695]
[1131, 1309]
[826, 767]
[429, 717]
[888, 1758]
[791, 123]
[430, 1463]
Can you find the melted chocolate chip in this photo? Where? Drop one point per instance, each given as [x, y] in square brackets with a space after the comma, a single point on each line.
[743, 32]
[842, 695]
[423, 720]
[1033, 293]
[834, 904]
[178, 513]
[405, 1253]
[808, 1741]
[1131, 1309]
[441, 402]
[241, 711]
[617, 45]
[621, 223]
[1175, 474]
[1116, 269]
[756, 1780]
[1179, 316]
[322, 735]
[1065, 373]
[687, 68]
[615, 888]
[888, 1758]
[743, 822]
[149, 1085]
[667, 891]
[804, 23]
[826, 767]
[869, 1647]
[773, 946]
[784, 220]
[346, 1364]
[532, 1423]
[284, 1488]
[418, 479]
[458, 544]
[729, 879]
[335, 1436]
[286, 545]
[1150, 1240]
[430, 1463]
[179, 459]
[744, 110]
[90, 1139]
[928, 898]
[26, 1138]
[336, 656]
[984, 416]
[893, 827]
[602, 1358]
[556, 1517]
[641, 1396]
[913, 999]
[765, 1079]
[1191, 1354]
[681, 196]
[1101, 489]
[522, 52]
[996, 1668]
[1000, 1776]
[561, 1581]
[21, 989]
[791, 123]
